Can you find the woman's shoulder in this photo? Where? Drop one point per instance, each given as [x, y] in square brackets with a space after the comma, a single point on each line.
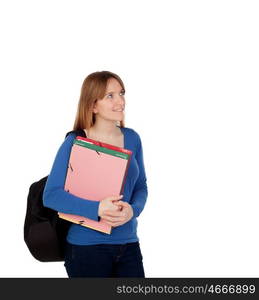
[131, 132]
[69, 140]
[70, 136]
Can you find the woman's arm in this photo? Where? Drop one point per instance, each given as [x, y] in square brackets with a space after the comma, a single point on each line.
[140, 192]
[54, 195]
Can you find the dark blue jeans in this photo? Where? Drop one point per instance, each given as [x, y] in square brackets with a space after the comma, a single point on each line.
[104, 260]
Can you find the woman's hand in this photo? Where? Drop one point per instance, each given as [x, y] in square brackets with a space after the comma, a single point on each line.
[118, 217]
[108, 204]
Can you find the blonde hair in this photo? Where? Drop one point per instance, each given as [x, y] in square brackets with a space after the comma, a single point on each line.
[93, 88]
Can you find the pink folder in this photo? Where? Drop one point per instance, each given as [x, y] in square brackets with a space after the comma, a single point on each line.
[95, 171]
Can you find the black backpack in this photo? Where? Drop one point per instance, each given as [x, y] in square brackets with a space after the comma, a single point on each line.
[44, 232]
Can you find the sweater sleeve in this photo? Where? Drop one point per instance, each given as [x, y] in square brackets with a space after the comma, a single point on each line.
[54, 195]
[140, 192]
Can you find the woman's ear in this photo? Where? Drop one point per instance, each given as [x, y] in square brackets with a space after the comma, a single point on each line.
[94, 108]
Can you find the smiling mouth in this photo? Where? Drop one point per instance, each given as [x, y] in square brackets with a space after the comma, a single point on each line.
[119, 110]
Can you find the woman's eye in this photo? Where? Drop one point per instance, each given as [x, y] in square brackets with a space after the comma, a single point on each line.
[122, 94]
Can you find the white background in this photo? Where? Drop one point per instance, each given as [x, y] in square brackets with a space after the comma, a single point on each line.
[190, 70]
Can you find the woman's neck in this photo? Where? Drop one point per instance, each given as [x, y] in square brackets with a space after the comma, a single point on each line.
[104, 130]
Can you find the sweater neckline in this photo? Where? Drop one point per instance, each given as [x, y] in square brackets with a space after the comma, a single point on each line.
[124, 138]
[123, 131]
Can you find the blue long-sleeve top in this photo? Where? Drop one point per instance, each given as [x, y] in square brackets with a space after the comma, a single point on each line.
[135, 193]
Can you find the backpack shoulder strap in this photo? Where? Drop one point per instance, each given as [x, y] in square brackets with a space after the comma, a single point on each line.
[79, 132]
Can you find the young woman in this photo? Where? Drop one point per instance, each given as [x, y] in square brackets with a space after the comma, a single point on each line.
[90, 253]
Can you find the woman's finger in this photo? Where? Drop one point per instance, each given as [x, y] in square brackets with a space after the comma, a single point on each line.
[112, 219]
[114, 213]
[122, 203]
[114, 224]
[117, 224]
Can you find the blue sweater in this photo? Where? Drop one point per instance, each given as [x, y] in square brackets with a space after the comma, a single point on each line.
[135, 193]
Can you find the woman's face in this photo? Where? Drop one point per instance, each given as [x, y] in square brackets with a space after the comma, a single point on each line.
[112, 105]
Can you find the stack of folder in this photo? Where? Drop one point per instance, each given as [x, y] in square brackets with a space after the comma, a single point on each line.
[95, 171]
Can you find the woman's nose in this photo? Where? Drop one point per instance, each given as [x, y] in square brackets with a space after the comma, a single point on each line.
[119, 99]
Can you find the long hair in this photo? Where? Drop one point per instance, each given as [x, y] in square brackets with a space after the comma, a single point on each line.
[93, 88]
